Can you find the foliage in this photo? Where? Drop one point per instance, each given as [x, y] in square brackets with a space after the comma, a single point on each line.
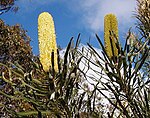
[44, 94]
[126, 87]
[14, 46]
[143, 24]
[143, 16]
[6, 5]
[123, 82]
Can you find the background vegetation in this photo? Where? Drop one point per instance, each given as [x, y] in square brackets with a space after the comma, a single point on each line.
[6, 5]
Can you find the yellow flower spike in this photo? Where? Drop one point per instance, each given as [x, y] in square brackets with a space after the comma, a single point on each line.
[47, 41]
[110, 24]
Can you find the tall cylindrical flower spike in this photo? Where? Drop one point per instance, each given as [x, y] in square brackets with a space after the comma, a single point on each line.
[110, 25]
[47, 41]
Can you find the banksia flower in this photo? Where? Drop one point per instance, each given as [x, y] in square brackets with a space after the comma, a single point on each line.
[110, 25]
[47, 41]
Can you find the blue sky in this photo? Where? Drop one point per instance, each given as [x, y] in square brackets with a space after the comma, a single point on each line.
[72, 17]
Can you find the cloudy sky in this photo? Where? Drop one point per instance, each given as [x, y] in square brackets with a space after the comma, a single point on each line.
[72, 17]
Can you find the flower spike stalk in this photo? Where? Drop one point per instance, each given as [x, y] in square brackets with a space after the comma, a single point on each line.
[110, 25]
[47, 41]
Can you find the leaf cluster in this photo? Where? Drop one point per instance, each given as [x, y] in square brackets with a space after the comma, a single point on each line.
[127, 87]
[44, 94]
[143, 17]
[6, 5]
[14, 45]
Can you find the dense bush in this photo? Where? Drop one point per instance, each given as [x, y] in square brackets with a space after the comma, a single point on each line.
[14, 45]
[6, 5]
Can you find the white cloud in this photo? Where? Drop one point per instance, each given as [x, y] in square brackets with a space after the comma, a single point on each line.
[93, 12]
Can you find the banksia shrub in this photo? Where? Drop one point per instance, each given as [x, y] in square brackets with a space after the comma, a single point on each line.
[47, 41]
[111, 26]
[34, 95]
[122, 84]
